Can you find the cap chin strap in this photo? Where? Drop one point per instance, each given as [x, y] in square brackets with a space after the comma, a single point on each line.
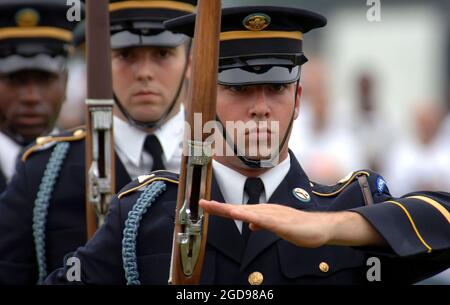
[161, 120]
[261, 163]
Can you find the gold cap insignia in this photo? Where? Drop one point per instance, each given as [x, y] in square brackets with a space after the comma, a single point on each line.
[256, 22]
[301, 194]
[27, 17]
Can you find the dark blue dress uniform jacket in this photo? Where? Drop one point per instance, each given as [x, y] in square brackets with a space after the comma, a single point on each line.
[66, 225]
[412, 226]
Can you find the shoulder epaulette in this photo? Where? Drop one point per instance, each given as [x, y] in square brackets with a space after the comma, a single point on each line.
[144, 180]
[332, 190]
[43, 143]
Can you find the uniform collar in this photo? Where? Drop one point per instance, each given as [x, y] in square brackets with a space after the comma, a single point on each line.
[223, 233]
[233, 192]
[130, 140]
[273, 177]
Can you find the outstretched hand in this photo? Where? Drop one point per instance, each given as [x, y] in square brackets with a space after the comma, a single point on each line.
[304, 229]
[297, 227]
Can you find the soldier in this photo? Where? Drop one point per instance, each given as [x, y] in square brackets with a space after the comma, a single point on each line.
[42, 212]
[33, 74]
[337, 228]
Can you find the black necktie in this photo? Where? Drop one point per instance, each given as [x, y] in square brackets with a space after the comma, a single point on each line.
[154, 148]
[253, 187]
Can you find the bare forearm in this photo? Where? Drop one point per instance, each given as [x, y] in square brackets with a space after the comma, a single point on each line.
[351, 229]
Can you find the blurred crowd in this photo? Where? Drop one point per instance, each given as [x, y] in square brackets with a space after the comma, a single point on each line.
[329, 148]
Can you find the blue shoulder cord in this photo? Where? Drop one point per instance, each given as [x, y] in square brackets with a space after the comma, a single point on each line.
[42, 202]
[130, 231]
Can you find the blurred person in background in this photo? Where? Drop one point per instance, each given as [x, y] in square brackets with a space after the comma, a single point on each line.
[322, 142]
[423, 160]
[445, 131]
[41, 221]
[428, 158]
[72, 113]
[33, 74]
[369, 123]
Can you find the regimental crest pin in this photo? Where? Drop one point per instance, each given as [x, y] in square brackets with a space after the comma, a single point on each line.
[301, 194]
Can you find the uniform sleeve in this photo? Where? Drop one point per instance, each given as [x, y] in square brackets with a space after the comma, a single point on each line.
[417, 229]
[100, 260]
[17, 258]
[417, 223]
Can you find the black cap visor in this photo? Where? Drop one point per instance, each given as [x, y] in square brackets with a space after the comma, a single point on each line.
[258, 71]
[41, 62]
[127, 39]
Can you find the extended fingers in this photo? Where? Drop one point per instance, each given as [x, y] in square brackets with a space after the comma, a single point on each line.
[233, 211]
[216, 208]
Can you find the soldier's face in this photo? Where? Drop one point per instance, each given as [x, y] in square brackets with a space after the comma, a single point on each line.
[30, 102]
[269, 107]
[146, 79]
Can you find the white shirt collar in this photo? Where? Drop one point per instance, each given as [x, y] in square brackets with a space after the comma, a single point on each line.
[130, 140]
[171, 134]
[234, 192]
[231, 183]
[9, 152]
[273, 177]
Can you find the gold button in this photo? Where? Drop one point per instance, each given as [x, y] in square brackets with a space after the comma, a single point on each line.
[78, 133]
[324, 267]
[42, 140]
[255, 278]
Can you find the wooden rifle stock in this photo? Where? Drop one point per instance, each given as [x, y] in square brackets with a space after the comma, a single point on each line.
[191, 223]
[100, 169]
